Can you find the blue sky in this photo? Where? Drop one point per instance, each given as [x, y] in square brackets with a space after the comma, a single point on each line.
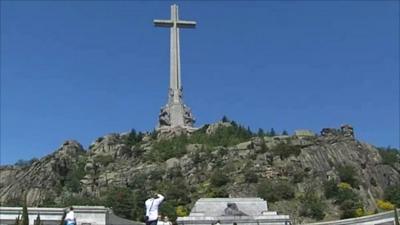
[83, 69]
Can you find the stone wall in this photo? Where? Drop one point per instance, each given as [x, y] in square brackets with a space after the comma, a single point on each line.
[85, 215]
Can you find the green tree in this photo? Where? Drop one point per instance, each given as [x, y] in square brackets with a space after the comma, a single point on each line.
[312, 205]
[389, 155]
[25, 218]
[225, 119]
[260, 132]
[275, 190]
[272, 132]
[349, 175]
[120, 199]
[392, 194]
[331, 189]
[285, 150]
[284, 132]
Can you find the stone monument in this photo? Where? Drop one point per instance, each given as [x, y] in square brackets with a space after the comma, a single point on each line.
[175, 113]
[243, 211]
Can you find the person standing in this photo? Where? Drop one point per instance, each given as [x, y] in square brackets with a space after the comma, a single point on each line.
[152, 205]
[70, 217]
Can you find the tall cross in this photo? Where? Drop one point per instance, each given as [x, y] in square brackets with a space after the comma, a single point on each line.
[175, 63]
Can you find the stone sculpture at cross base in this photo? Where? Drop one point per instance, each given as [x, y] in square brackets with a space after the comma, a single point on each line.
[175, 115]
[243, 211]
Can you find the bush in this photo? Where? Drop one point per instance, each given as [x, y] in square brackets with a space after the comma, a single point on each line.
[385, 205]
[120, 200]
[275, 190]
[103, 159]
[285, 150]
[134, 138]
[392, 194]
[219, 178]
[312, 205]
[168, 209]
[389, 155]
[181, 211]
[169, 148]
[349, 208]
[250, 175]
[331, 189]
[25, 163]
[348, 174]
[74, 176]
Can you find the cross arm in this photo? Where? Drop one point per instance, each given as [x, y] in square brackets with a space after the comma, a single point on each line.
[163, 23]
[186, 24]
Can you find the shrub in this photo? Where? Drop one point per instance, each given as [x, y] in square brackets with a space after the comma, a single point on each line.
[181, 211]
[77, 172]
[359, 212]
[344, 186]
[389, 155]
[285, 150]
[348, 174]
[120, 200]
[250, 175]
[349, 208]
[25, 163]
[385, 205]
[168, 209]
[275, 190]
[169, 148]
[331, 189]
[392, 194]
[103, 159]
[312, 205]
[219, 178]
[133, 138]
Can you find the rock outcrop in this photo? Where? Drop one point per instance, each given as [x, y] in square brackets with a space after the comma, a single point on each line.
[121, 160]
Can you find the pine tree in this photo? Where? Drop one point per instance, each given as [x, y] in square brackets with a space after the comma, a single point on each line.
[396, 217]
[271, 133]
[284, 132]
[260, 132]
[225, 119]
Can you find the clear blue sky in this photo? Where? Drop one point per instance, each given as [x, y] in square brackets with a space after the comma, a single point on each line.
[83, 69]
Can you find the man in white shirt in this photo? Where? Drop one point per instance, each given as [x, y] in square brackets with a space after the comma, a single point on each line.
[70, 217]
[152, 205]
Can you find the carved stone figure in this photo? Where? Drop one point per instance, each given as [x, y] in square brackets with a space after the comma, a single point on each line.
[233, 210]
[164, 117]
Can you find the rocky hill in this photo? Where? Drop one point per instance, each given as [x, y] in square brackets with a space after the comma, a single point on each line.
[311, 177]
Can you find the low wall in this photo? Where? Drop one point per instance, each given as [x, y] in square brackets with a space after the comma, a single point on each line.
[376, 219]
[85, 215]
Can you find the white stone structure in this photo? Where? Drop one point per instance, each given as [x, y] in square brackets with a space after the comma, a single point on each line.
[243, 211]
[175, 113]
[85, 215]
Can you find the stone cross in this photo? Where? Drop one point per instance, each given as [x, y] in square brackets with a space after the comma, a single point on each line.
[175, 113]
[175, 63]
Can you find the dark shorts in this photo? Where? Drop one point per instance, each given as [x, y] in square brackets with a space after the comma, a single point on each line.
[153, 222]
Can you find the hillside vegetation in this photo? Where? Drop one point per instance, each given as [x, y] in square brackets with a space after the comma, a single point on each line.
[310, 177]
